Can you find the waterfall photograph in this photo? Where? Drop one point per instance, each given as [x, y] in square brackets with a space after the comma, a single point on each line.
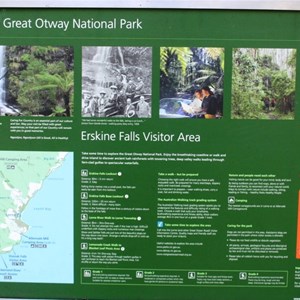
[191, 82]
[36, 81]
[116, 82]
[263, 84]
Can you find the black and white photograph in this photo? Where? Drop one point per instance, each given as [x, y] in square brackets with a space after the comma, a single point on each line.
[116, 82]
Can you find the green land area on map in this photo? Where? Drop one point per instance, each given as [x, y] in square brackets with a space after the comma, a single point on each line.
[21, 175]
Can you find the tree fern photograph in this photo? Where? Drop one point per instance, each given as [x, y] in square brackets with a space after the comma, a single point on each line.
[191, 82]
[36, 81]
[263, 84]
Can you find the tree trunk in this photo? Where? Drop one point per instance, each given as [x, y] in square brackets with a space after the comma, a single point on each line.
[67, 103]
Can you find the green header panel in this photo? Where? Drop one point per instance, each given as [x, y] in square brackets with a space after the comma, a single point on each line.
[149, 154]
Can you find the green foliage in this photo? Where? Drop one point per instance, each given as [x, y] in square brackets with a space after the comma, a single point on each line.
[246, 90]
[62, 85]
[266, 62]
[292, 58]
[185, 69]
[40, 83]
[26, 57]
[43, 52]
[180, 54]
[56, 68]
[217, 54]
[282, 85]
[255, 78]
[58, 111]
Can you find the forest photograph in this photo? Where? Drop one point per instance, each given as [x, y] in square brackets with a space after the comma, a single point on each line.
[263, 84]
[116, 82]
[36, 81]
[190, 77]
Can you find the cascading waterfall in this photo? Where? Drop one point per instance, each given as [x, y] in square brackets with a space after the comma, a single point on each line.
[99, 71]
[102, 54]
[5, 109]
[102, 66]
[2, 75]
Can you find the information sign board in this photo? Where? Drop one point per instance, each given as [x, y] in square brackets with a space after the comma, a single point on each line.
[149, 154]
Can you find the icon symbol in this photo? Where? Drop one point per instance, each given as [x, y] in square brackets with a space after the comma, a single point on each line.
[84, 172]
[160, 224]
[87, 273]
[139, 274]
[84, 195]
[191, 275]
[243, 275]
[84, 217]
[231, 200]
[84, 246]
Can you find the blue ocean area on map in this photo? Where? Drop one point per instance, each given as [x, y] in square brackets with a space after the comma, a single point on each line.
[45, 254]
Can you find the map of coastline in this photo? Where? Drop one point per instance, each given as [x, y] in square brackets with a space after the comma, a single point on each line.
[36, 197]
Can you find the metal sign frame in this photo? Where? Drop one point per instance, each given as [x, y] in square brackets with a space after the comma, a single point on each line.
[167, 4]
[287, 5]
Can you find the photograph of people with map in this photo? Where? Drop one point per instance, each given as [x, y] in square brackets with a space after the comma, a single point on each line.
[191, 82]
